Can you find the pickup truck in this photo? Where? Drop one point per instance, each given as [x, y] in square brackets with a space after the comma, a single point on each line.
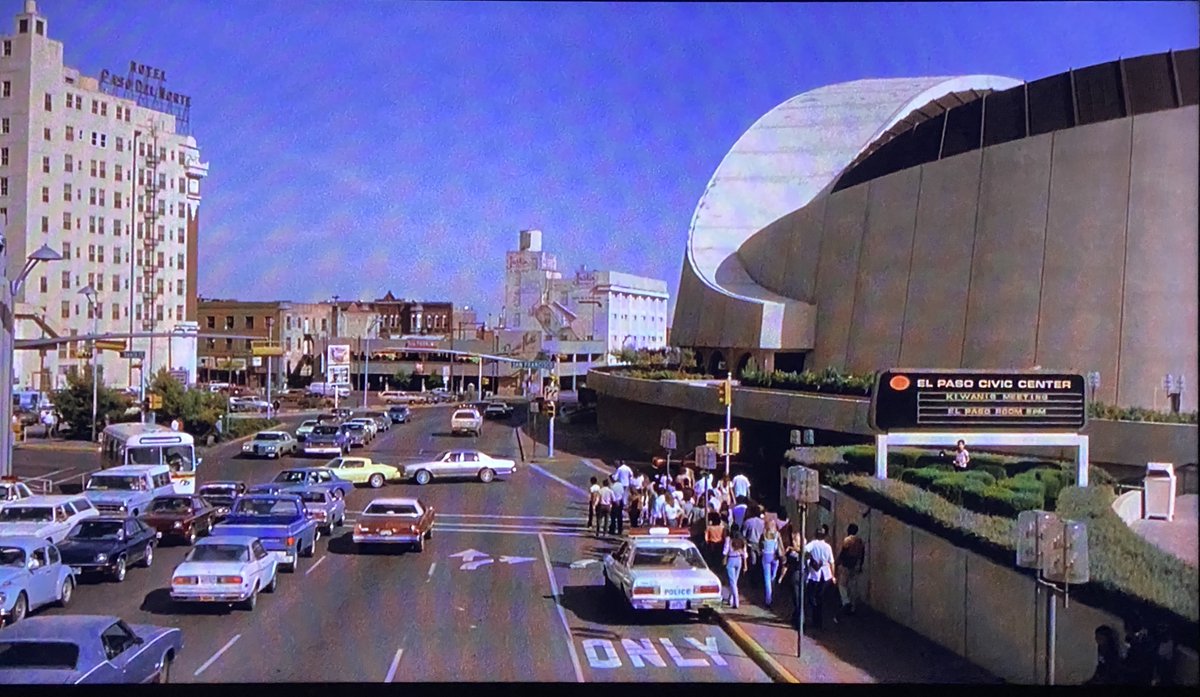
[278, 520]
[327, 439]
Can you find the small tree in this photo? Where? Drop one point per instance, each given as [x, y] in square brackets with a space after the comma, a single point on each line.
[402, 379]
[433, 382]
[74, 404]
[197, 409]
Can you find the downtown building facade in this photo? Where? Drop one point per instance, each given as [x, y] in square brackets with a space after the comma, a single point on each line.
[110, 180]
[974, 222]
[587, 317]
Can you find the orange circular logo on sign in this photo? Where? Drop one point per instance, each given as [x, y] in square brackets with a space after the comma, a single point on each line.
[899, 383]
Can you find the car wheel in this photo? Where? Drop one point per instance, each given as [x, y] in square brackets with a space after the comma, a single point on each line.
[164, 670]
[20, 609]
[249, 603]
[376, 480]
[487, 474]
[423, 477]
[118, 573]
[68, 589]
[148, 555]
[429, 534]
[270, 587]
[706, 614]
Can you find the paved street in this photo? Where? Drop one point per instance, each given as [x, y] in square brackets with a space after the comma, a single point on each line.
[493, 597]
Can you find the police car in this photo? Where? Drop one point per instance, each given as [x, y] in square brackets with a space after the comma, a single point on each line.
[12, 490]
[660, 569]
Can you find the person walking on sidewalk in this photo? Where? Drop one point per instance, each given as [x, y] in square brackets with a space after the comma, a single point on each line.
[714, 536]
[793, 571]
[769, 548]
[658, 508]
[616, 517]
[737, 514]
[754, 527]
[603, 507]
[636, 495]
[593, 499]
[703, 484]
[623, 474]
[849, 563]
[735, 560]
[819, 573]
[741, 485]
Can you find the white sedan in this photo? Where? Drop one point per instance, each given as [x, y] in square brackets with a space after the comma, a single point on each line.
[662, 570]
[459, 464]
[225, 569]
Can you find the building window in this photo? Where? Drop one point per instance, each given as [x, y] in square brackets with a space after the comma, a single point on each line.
[4, 157]
[116, 311]
[117, 169]
[210, 322]
[67, 220]
[7, 49]
[45, 194]
[179, 260]
[104, 108]
[41, 28]
[95, 107]
[48, 102]
[4, 125]
[116, 199]
[6, 89]
[66, 309]
[67, 191]
[68, 163]
[46, 133]
[229, 321]
[100, 224]
[92, 196]
[3, 186]
[45, 164]
[102, 192]
[66, 250]
[92, 247]
[179, 312]
[99, 140]
[116, 227]
[45, 223]
[249, 323]
[116, 280]
[121, 143]
[92, 224]
[44, 284]
[66, 280]
[229, 344]
[70, 133]
[179, 288]
[103, 174]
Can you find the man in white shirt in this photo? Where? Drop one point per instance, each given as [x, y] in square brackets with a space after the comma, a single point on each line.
[819, 572]
[603, 507]
[593, 499]
[616, 517]
[741, 486]
[658, 509]
[703, 482]
[623, 474]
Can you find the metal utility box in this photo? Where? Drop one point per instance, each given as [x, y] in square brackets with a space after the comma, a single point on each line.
[1158, 496]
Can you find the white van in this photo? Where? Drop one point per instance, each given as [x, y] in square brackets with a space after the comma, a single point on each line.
[322, 390]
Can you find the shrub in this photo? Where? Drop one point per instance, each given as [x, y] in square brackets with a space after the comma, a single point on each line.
[949, 487]
[1053, 479]
[923, 476]
[1099, 410]
[987, 478]
[997, 472]
[942, 463]
[236, 428]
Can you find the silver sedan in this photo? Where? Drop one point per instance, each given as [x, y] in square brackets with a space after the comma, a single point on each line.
[453, 464]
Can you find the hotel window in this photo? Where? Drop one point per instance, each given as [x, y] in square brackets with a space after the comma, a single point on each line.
[102, 195]
[139, 311]
[116, 311]
[116, 227]
[66, 280]
[48, 102]
[6, 91]
[100, 255]
[92, 196]
[46, 133]
[229, 321]
[92, 247]
[211, 322]
[100, 140]
[160, 260]
[41, 28]
[104, 108]
[66, 309]
[45, 194]
[159, 287]
[179, 288]
[95, 107]
[120, 144]
[117, 169]
[70, 100]
[68, 163]
[45, 164]
[45, 223]
[116, 199]
[4, 124]
[92, 282]
[7, 49]
[94, 168]
[4, 157]
[179, 260]
[249, 323]
[44, 284]
[70, 133]
[100, 229]
[67, 220]
[3, 186]
[103, 173]
[179, 312]
[229, 344]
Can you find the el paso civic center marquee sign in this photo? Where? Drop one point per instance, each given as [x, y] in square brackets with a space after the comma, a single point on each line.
[921, 400]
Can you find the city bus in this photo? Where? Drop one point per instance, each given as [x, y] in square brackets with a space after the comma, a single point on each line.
[152, 444]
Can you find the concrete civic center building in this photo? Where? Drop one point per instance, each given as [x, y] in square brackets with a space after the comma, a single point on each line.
[960, 222]
[103, 171]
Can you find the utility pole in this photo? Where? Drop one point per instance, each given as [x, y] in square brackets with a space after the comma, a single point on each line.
[270, 336]
[728, 415]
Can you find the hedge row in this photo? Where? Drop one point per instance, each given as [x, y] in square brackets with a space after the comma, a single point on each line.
[829, 381]
[236, 428]
[1100, 410]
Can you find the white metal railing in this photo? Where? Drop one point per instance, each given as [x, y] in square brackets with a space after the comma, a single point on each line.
[35, 483]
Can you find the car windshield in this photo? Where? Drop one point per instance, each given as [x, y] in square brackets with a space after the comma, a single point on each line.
[309, 424]
[391, 509]
[26, 514]
[354, 427]
[269, 436]
[325, 431]
[219, 553]
[668, 558]
[103, 482]
[291, 476]
[312, 496]
[98, 530]
[172, 505]
[12, 556]
[45, 655]
[464, 414]
[265, 507]
[6, 491]
[224, 491]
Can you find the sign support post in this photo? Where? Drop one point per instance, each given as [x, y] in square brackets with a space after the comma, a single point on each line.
[728, 415]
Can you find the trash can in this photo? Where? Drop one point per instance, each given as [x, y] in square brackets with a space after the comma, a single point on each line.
[1158, 496]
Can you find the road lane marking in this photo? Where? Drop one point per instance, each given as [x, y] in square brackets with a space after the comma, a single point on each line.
[314, 566]
[558, 479]
[528, 531]
[562, 615]
[217, 655]
[429, 576]
[598, 468]
[468, 555]
[395, 664]
[472, 565]
[515, 560]
[51, 473]
[510, 517]
[583, 563]
[516, 526]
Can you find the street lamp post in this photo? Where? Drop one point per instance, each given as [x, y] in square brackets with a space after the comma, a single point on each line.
[367, 361]
[90, 293]
[7, 329]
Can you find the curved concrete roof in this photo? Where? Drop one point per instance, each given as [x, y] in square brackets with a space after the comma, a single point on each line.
[792, 154]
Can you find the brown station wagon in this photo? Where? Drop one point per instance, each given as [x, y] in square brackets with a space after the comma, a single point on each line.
[395, 521]
[181, 517]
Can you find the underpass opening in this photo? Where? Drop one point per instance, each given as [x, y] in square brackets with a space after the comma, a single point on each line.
[716, 363]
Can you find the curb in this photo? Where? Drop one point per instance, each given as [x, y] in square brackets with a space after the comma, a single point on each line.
[754, 651]
[56, 447]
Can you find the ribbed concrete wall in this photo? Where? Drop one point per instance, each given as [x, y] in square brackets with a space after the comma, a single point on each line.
[1075, 250]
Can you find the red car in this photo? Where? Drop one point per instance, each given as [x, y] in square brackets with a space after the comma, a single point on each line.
[180, 517]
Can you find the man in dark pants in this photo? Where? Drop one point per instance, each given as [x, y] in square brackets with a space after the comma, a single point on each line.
[819, 572]
[593, 495]
[616, 517]
[793, 571]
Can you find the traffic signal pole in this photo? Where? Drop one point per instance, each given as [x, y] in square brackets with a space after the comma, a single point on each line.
[553, 410]
[728, 417]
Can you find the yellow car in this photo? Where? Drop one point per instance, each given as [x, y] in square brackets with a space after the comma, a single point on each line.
[363, 470]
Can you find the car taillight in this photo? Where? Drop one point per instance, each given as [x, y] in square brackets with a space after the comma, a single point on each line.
[319, 514]
[184, 581]
[412, 528]
[229, 579]
[291, 541]
[708, 589]
[362, 528]
[645, 590]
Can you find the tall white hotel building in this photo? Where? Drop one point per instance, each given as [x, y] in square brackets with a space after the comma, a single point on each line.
[110, 184]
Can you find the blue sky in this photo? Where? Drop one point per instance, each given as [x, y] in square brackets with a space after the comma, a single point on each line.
[368, 145]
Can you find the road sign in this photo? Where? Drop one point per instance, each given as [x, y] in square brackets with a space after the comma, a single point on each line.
[138, 355]
[265, 348]
[110, 345]
[666, 439]
[181, 376]
[706, 457]
[156, 401]
[916, 400]
[536, 365]
[338, 375]
[550, 393]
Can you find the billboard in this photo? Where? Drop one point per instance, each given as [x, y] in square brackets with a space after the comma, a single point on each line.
[337, 371]
[963, 400]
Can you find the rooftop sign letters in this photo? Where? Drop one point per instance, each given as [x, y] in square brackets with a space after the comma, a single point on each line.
[920, 400]
[145, 85]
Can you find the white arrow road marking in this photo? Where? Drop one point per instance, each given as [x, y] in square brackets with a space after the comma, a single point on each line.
[217, 655]
[395, 664]
[515, 560]
[468, 555]
[583, 563]
[472, 565]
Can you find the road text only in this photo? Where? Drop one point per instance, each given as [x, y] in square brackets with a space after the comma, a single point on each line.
[603, 653]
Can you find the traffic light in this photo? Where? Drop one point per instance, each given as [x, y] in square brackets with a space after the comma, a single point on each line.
[550, 409]
[735, 441]
[725, 392]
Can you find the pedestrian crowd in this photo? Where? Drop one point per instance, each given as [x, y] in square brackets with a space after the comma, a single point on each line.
[1145, 657]
[749, 541]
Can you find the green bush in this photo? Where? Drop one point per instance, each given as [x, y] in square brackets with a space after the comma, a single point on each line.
[1099, 410]
[997, 472]
[949, 487]
[942, 463]
[987, 478]
[1053, 479]
[236, 427]
[74, 405]
[922, 476]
